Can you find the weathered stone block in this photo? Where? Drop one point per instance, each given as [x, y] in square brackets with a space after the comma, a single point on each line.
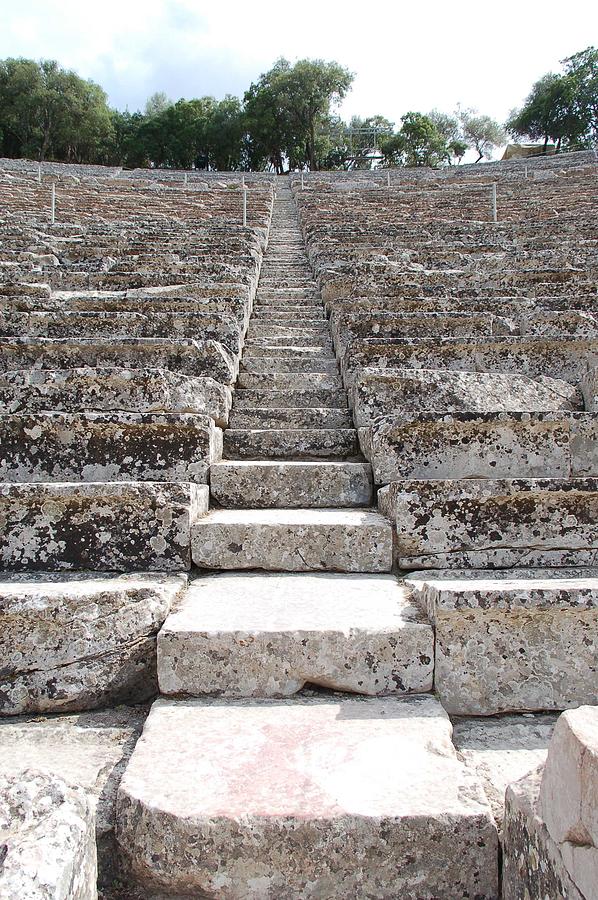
[379, 392]
[317, 813]
[550, 617]
[269, 635]
[108, 447]
[48, 839]
[121, 527]
[293, 540]
[475, 445]
[112, 389]
[291, 443]
[71, 642]
[493, 524]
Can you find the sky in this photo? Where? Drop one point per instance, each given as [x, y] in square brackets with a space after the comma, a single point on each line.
[405, 55]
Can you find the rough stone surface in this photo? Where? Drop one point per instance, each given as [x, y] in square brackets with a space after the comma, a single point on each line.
[295, 540]
[47, 839]
[89, 751]
[315, 443]
[309, 798]
[589, 389]
[112, 389]
[379, 392]
[502, 750]
[74, 642]
[569, 791]
[120, 527]
[268, 635]
[258, 484]
[549, 618]
[533, 866]
[493, 524]
[108, 447]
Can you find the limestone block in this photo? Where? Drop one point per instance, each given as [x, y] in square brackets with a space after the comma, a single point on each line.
[291, 443]
[189, 357]
[291, 417]
[501, 750]
[121, 527]
[71, 642]
[290, 381]
[550, 617]
[493, 524]
[563, 358]
[249, 799]
[589, 389]
[268, 635]
[108, 447]
[48, 839]
[301, 397]
[533, 866]
[258, 484]
[569, 790]
[113, 389]
[379, 392]
[293, 540]
[88, 751]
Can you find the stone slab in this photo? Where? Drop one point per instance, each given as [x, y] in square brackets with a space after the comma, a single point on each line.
[305, 397]
[270, 635]
[290, 443]
[305, 798]
[259, 484]
[512, 641]
[500, 750]
[266, 365]
[481, 445]
[291, 417]
[120, 446]
[112, 390]
[89, 751]
[290, 381]
[120, 527]
[493, 524]
[48, 840]
[533, 866]
[379, 392]
[293, 540]
[80, 641]
[569, 791]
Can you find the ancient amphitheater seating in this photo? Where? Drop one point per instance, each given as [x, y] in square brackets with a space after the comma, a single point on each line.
[325, 485]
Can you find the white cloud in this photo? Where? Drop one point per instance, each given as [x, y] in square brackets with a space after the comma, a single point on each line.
[404, 56]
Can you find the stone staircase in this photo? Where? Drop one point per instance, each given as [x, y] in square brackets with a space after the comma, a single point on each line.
[254, 777]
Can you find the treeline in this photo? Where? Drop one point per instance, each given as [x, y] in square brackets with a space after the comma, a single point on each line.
[286, 120]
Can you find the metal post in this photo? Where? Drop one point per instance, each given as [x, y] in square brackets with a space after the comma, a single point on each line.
[243, 182]
[302, 181]
[526, 171]
[388, 178]
[244, 206]
[494, 210]
[39, 172]
[53, 209]
[185, 179]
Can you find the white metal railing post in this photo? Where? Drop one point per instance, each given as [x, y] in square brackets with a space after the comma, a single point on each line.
[494, 209]
[185, 179]
[53, 208]
[526, 171]
[244, 206]
[39, 172]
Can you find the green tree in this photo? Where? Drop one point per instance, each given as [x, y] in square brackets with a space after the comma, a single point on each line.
[156, 104]
[417, 143]
[47, 111]
[287, 108]
[481, 133]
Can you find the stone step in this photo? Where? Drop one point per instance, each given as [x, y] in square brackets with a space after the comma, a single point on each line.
[258, 484]
[79, 641]
[291, 418]
[482, 445]
[261, 328]
[486, 524]
[295, 540]
[260, 349]
[112, 389]
[296, 398]
[290, 381]
[294, 342]
[292, 798]
[276, 313]
[291, 443]
[58, 447]
[120, 527]
[266, 365]
[356, 633]
[549, 615]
